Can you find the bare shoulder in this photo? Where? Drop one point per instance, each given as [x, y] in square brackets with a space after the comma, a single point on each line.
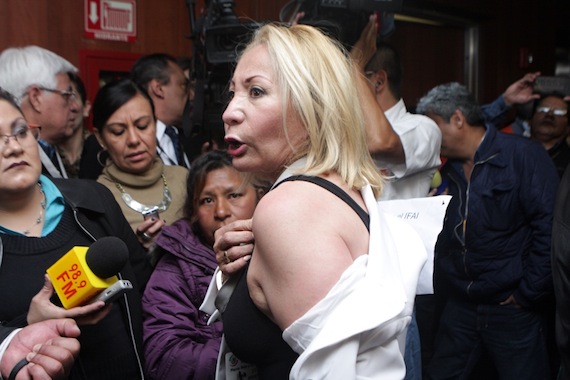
[302, 241]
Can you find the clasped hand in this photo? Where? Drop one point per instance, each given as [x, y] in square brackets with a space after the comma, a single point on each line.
[233, 246]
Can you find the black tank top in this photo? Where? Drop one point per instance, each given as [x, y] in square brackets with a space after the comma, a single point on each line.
[249, 333]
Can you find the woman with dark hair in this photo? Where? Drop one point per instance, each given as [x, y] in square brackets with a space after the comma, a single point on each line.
[41, 219]
[178, 343]
[149, 193]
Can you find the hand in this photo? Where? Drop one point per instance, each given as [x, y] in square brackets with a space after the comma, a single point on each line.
[298, 16]
[233, 246]
[148, 230]
[365, 47]
[41, 308]
[209, 146]
[510, 301]
[50, 347]
[520, 92]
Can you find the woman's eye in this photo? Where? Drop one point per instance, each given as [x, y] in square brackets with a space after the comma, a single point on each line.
[235, 195]
[142, 127]
[205, 201]
[256, 91]
[21, 131]
[117, 132]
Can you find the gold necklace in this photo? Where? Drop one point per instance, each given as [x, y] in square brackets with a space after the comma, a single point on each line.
[40, 217]
[142, 208]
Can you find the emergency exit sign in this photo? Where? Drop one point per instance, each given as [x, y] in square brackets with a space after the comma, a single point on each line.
[114, 20]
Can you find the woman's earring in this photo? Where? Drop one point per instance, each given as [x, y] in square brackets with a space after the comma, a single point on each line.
[99, 160]
[378, 84]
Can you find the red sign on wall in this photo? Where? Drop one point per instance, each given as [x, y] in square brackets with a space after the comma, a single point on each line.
[114, 20]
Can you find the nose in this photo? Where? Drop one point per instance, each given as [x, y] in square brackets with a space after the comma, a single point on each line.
[132, 136]
[10, 145]
[222, 209]
[233, 114]
[74, 104]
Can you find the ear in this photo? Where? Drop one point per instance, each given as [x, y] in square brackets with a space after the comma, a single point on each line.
[86, 108]
[380, 81]
[458, 119]
[35, 98]
[260, 192]
[155, 89]
[99, 138]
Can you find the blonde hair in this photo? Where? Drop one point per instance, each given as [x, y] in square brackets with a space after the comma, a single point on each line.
[316, 78]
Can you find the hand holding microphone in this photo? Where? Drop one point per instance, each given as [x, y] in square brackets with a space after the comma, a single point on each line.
[79, 277]
[83, 273]
[42, 308]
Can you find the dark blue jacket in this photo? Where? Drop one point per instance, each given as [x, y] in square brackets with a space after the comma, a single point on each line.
[496, 235]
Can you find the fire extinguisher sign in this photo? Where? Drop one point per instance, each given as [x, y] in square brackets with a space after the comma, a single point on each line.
[114, 20]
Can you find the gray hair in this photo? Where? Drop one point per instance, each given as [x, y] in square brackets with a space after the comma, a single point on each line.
[445, 99]
[23, 67]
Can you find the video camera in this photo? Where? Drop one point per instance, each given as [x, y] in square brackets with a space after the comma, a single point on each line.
[223, 32]
[217, 34]
[344, 19]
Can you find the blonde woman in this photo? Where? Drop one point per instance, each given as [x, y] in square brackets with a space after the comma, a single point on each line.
[325, 294]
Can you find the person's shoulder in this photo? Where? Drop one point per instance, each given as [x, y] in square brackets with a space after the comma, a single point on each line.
[290, 200]
[417, 122]
[79, 185]
[297, 204]
[173, 171]
[85, 193]
[517, 142]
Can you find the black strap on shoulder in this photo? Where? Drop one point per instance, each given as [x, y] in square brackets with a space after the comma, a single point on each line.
[327, 185]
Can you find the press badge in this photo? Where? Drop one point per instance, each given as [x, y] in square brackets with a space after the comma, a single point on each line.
[238, 370]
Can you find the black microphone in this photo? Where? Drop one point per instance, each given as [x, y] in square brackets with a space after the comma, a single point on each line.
[107, 256]
[84, 272]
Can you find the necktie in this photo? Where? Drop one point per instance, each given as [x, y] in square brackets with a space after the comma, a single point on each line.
[171, 132]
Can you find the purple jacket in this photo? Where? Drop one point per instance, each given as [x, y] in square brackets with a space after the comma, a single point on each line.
[178, 343]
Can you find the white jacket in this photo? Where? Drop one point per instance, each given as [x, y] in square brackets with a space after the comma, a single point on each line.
[358, 330]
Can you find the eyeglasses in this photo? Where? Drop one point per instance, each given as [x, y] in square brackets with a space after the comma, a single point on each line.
[24, 134]
[67, 95]
[555, 111]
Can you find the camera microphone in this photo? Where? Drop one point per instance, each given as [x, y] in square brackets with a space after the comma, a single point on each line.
[84, 272]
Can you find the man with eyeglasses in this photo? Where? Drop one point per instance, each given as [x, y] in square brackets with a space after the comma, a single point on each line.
[38, 78]
[549, 126]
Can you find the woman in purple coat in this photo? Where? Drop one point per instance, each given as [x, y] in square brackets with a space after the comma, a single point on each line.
[178, 343]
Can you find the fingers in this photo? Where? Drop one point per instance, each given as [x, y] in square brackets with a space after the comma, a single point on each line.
[54, 358]
[531, 77]
[228, 269]
[233, 234]
[298, 16]
[65, 327]
[148, 230]
[88, 314]
[95, 317]
[233, 246]
[41, 307]
[46, 291]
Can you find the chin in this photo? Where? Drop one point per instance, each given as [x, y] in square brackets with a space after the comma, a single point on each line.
[242, 164]
[138, 167]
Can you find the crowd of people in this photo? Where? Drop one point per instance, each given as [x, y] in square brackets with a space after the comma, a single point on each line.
[270, 257]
